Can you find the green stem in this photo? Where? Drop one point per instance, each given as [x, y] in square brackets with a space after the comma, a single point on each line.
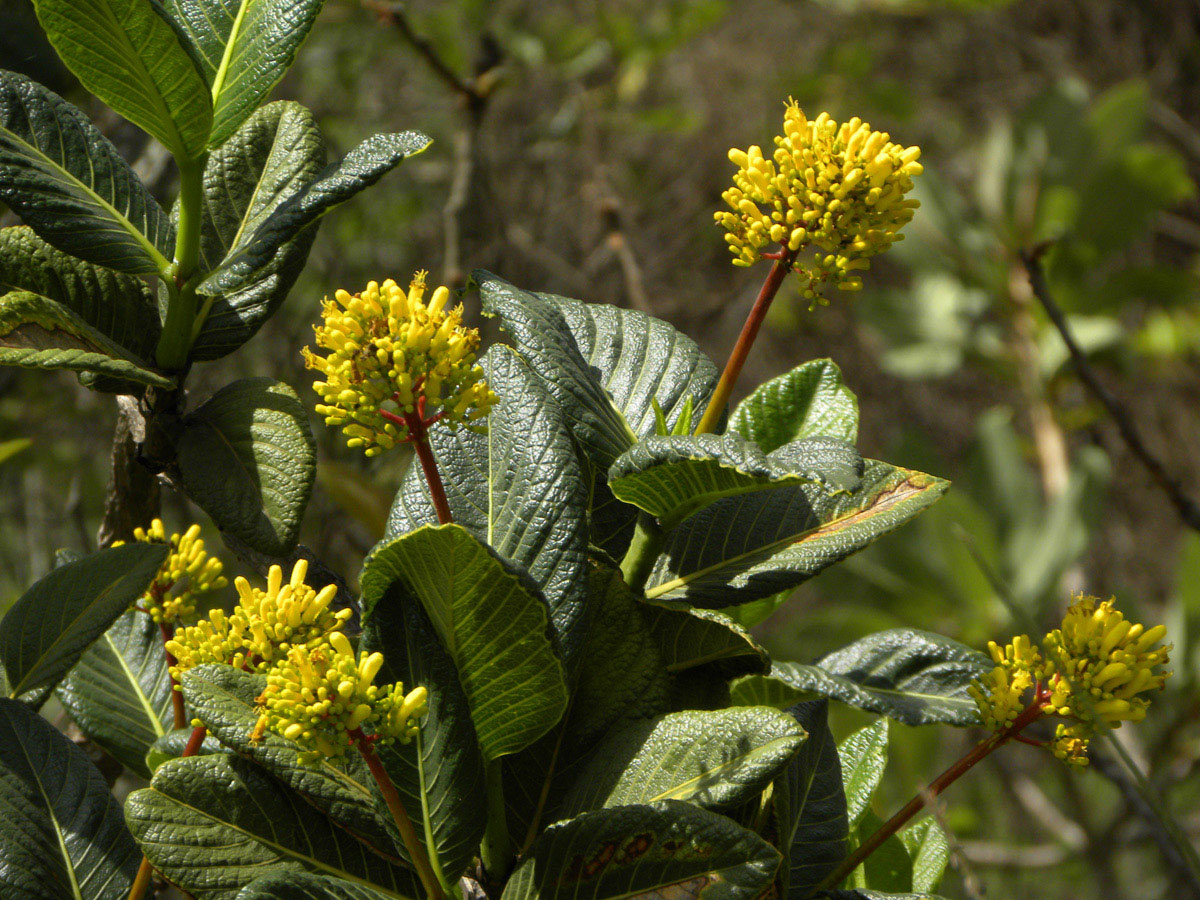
[741, 350]
[496, 851]
[176, 339]
[647, 543]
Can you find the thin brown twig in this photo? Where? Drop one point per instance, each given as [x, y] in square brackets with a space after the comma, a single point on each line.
[1187, 508]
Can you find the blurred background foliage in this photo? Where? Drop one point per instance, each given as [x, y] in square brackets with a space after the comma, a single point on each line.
[580, 148]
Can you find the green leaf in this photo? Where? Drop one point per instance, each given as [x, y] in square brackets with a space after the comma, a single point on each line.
[223, 698]
[62, 834]
[889, 869]
[915, 677]
[714, 759]
[128, 53]
[755, 545]
[211, 824]
[808, 804]
[37, 333]
[247, 458]
[863, 757]
[46, 631]
[929, 849]
[275, 154]
[338, 182]
[172, 744]
[865, 894]
[668, 849]
[688, 638]
[120, 307]
[519, 488]
[763, 690]
[69, 184]
[243, 49]
[119, 693]
[493, 627]
[303, 886]
[808, 401]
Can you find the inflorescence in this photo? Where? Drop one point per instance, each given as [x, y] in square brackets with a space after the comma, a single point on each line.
[186, 575]
[837, 190]
[396, 363]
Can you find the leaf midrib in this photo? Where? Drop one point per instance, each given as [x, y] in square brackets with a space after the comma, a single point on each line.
[155, 721]
[62, 844]
[675, 791]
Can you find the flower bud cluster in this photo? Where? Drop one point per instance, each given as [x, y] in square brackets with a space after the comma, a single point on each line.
[835, 190]
[186, 575]
[391, 356]
[324, 699]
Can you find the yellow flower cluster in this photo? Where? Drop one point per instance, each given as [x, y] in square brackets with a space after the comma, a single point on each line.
[263, 627]
[322, 697]
[1092, 671]
[394, 360]
[188, 570]
[838, 190]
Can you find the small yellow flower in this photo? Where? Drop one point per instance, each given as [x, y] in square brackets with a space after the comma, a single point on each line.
[396, 362]
[263, 627]
[835, 190]
[323, 698]
[186, 575]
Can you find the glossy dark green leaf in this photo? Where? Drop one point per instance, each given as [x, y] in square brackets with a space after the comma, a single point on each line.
[243, 48]
[929, 849]
[519, 488]
[863, 757]
[494, 629]
[667, 849]
[808, 401]
[915, 677]
[212, 824]
[303, 886]
[119, 693]
[46, 631]
[129, 54]
[689, 638]
[172, 744]
[69, 184]
[246, 456]
[274, 155]
[61, 835]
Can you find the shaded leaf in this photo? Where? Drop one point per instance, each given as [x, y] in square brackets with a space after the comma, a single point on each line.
[763, 690]
[929, 849]
[688, 638]
[808, 401]
[172, 744]
[888, 869]
[303, 886]
[863, 758]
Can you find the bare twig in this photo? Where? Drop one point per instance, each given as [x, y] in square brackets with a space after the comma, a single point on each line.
[1186, 507]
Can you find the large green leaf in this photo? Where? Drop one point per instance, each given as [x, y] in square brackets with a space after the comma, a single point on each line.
[689, 638]
[120, 307]
[915, 677]
[119, 693]
[714, 759]
[337, 183]
[69, 184]
[243, 48]
[755, 545]
[275, 154]
[246, 456]
[128, 53]
[305, 886]
[808, 401]
[666, 849]
[494, 628]
[888, 869]
[212, 824]
[929, 848]
[38, 333]
[863, 758]
[61, 836]
[46, 631]
[519, 488]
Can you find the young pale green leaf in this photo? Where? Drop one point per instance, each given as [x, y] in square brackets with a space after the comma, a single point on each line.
[915, 677]
[223, 698]
[808, 804]
[338, 182]
[304, 886]
[61, 835]
[46, 631]
[889, 869]
[212, 824]
[865, 894]
[716, 758]
[519, 488]
[273, 156]
[63, 177]
[243, 48]
[493, 627]
[929, 849]
[863, 758]
[38, 333]
[667, 849]
[129, 54]
[688, 638]
[119, 693]
[808, 401]
[247, 458]
[755, 545]
[763, 690]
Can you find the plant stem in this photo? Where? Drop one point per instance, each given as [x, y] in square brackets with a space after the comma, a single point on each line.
[496, 850]
[192, 747]
[643, 550]
[419, 434]
[176, 338]
[408, 834]
[741, 350]
[176, 693]
[142, 880]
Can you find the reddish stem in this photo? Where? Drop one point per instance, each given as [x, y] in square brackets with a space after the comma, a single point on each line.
[176, 694]
[419, 435]
[192, 747]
